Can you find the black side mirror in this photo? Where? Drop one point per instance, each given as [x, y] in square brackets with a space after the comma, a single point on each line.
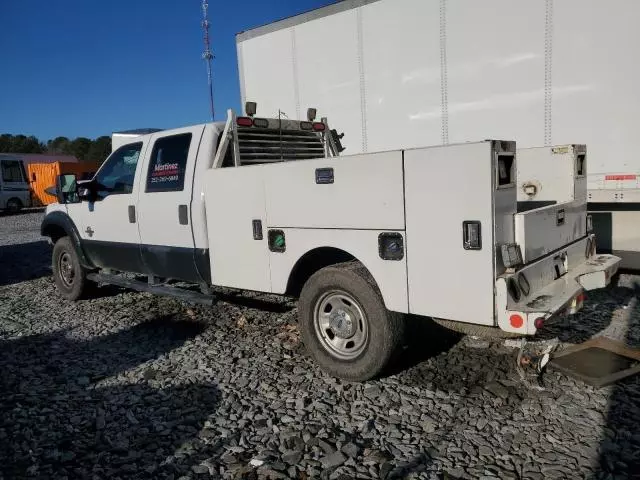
[84, 190]
[66, 188]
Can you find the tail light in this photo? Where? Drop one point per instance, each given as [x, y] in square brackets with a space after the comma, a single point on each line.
[260, 122]
[516, 320]
[244, 121]
[538, 323]
[319, 127]
[306, 126]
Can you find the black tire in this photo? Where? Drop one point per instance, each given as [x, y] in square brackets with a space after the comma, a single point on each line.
[14, 205]
[384, 329]
[69, 275]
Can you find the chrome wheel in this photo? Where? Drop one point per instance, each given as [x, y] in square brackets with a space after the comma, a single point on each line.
[65, 267]
[341, 325]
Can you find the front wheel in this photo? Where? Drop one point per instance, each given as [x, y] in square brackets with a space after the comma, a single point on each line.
[69, 275]
[345, 325]
[14, 205]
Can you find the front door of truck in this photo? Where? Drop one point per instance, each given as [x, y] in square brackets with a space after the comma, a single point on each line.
[107, 223]
[164, 207]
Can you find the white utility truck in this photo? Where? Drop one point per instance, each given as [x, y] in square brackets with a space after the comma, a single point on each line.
[267, 205]
[406, 73]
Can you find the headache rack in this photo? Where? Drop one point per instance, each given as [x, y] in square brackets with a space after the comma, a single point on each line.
[267, 140]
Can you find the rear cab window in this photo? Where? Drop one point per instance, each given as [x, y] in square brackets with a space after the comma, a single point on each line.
[168, 163]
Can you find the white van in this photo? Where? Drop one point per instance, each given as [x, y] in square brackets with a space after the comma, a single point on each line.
[14, 188]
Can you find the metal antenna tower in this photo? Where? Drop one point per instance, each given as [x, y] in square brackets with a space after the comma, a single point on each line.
[207, 56]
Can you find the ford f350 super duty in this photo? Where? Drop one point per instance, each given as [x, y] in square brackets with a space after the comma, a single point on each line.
[267, 204]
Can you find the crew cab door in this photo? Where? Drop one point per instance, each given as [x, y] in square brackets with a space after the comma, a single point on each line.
[106, 223]
[164, 206]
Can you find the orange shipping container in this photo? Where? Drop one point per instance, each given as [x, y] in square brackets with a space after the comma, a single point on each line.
[43, 176]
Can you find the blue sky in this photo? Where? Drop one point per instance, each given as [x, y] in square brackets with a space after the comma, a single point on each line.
[87, 68]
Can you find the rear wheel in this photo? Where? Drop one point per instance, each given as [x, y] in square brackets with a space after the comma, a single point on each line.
[345, 325]
[14, 205]
[69, 275]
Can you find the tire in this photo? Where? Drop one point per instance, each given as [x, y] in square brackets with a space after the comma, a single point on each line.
[14, 205]
[356, 337]
[70, 277]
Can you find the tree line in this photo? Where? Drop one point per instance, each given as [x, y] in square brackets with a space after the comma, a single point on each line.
[84, 149]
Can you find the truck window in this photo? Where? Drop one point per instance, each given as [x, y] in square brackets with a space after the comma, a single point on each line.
[168, 163]
[118, 172]
[12, 171]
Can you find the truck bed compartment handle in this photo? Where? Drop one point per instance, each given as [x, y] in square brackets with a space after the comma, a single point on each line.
[257, 229]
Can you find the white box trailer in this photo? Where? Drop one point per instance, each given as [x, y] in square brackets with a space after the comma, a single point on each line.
[614, 205]
[407, 73]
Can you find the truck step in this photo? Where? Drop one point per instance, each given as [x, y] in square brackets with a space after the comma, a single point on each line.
[164, 290]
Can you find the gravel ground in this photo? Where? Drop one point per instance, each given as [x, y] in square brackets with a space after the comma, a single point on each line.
[127, 385]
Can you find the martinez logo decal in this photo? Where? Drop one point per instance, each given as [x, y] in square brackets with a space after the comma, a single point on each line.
[165, 173]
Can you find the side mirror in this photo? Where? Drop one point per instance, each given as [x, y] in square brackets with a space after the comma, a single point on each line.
[84, 190]
[66, 188]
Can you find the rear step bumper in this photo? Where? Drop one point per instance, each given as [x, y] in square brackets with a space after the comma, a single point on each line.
[597, 272]
[549, 295]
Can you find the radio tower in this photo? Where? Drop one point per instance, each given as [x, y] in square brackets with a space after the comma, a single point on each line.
[207, 56]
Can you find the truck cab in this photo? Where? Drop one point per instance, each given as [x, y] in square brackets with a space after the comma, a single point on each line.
[268, 204]
[15, 193]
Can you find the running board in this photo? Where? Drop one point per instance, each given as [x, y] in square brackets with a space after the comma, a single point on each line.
[163, 290]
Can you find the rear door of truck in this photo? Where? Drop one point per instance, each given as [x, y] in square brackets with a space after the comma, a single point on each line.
[163, 210]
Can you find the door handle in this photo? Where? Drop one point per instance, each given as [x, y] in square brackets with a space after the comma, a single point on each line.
[132, 213]
[183, 215]
[257, 229]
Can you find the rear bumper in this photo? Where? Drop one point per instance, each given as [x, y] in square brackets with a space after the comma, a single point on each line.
[549, 295]
[597, 272]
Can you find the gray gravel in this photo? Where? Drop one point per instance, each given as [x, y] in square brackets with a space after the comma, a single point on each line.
[127, 385]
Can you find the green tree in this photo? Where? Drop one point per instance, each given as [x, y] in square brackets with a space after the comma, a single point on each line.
[59, 146]
[20, 144]
[100, 149]
[80, 147]
[5, 142]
